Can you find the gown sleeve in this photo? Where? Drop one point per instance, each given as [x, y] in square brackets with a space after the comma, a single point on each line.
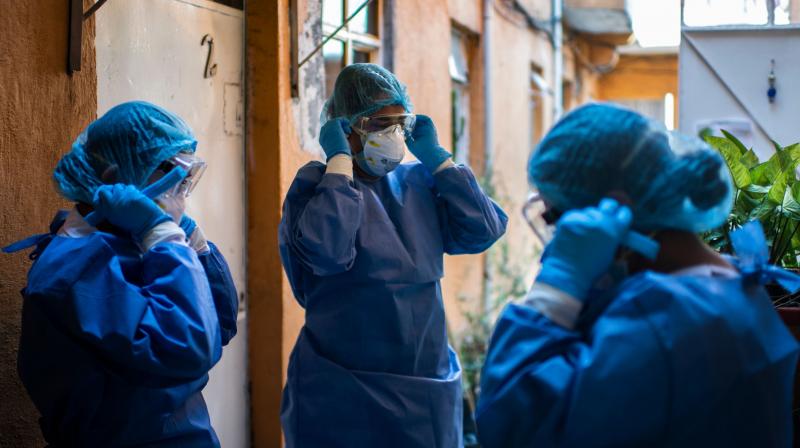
[223, 291]
[545, 385]
[158, 328]
[321, 216]
[471, 221]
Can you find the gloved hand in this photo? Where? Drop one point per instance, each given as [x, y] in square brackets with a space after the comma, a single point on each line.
[584, 247]
[194, 235]
[188, 225]
[424, 144]
[128, 208]
[333, 137]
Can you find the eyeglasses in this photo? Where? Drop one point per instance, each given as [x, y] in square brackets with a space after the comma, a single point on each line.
[381, 122]
[540, 218]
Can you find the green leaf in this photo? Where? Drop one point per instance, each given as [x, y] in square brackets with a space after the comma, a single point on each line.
[778, 189]
[764, 173]
[749, 159]
[730, 152]
[793, 151]
[778, 147]
[735, 141]
[761, 211]
[791, 206]
[753, 188]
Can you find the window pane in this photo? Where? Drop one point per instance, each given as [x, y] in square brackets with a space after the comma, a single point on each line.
[725, 12]
[787, 12]
[333, 54]
[458, 58]
[460, 123]
[360, 56]
[333, 12]
[367, 20]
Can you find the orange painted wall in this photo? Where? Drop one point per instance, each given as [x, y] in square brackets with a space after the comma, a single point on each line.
[640, 77]
[42, 110]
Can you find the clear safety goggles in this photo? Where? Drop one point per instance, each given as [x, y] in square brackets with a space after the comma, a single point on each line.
[193, 166]
[377, 123]
[540, 218]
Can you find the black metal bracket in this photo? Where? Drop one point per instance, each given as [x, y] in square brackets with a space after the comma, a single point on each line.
[76, 18]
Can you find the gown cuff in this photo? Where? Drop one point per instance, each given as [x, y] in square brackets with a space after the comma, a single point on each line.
[556, 305]
[444, 165]
[166, 231]
[340, 164]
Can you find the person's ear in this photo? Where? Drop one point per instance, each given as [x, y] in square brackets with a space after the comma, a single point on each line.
[355, 143]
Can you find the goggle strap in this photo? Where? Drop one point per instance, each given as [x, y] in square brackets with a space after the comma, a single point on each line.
[173, 177]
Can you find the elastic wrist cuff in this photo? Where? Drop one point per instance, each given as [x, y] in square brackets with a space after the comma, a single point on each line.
[556, 305]
[444, 165]
[166, 231]
[340, 164]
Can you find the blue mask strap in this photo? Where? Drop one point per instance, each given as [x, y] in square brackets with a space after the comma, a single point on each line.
[641, 244]
[152, 191]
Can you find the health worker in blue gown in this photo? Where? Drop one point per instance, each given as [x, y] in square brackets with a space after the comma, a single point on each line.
[362, 241]
[612, 348]
[127, 306]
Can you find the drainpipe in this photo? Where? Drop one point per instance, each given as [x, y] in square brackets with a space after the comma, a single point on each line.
[558, 59]
[488, 133]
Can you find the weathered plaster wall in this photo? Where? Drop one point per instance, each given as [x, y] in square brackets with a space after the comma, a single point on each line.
[42, 110]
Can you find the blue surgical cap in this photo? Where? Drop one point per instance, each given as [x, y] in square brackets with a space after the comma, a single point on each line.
[671, 181]
[363, 89]
[129, 142]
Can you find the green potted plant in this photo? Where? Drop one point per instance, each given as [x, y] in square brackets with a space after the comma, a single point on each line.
[769, 192]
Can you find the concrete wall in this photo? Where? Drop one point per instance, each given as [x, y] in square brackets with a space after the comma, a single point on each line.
[42, 110]
[724, 76]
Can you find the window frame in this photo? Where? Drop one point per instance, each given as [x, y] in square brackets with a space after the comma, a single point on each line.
[355, 41]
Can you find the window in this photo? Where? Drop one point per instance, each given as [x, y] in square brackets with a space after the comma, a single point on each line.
[459, 101]
[536, 107]
[700, 13]
[357, 42]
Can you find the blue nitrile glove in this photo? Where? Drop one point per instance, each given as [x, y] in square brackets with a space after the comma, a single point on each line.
[584, 247]
[128, 208]
[188, 225]
[333, 137]
[424, 144]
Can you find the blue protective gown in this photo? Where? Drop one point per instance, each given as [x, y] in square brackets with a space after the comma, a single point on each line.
[116, 344]
[660, 360]
[372, 366]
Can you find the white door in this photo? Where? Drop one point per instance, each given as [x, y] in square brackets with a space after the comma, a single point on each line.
[151, 50]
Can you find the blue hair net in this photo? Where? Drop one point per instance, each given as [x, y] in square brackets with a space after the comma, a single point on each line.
[126, 144]
[363, 89]
[671, 181]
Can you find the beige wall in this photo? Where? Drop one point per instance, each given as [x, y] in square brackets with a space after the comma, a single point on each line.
[42, 110]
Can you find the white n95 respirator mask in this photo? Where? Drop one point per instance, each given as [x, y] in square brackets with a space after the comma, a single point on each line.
[382, 150]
